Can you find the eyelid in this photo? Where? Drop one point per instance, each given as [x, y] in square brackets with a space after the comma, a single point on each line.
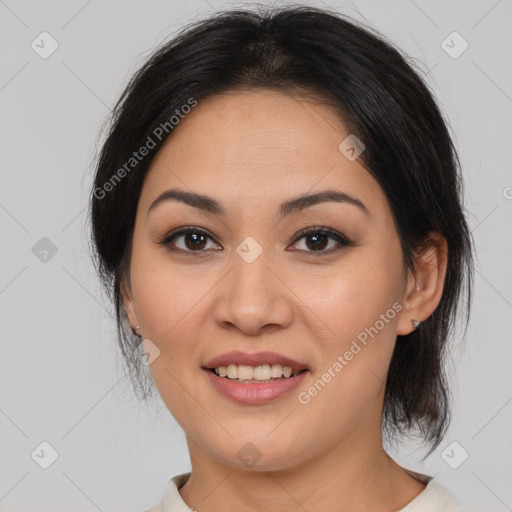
[322, 229]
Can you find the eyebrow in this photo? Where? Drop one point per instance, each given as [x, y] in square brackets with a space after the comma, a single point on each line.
[296, 204]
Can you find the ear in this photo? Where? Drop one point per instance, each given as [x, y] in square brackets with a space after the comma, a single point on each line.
[129, 304]
[425, 283]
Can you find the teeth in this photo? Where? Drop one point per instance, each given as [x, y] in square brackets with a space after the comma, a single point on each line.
[245, 372]
[262, 372]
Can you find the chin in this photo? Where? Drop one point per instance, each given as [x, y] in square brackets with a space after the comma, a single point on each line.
[260, 452]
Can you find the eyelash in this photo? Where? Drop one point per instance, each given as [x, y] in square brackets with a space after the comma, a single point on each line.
[314, 230]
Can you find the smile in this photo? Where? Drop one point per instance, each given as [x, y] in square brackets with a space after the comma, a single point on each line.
[247, 374]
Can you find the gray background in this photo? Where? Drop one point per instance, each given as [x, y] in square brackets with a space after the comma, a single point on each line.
[61, 379]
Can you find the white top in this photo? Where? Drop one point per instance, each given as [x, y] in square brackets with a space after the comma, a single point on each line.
[434, 498]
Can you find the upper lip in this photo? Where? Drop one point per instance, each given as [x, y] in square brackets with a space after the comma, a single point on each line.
[256, 359]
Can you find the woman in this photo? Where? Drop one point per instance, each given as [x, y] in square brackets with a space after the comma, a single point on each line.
[277, 212]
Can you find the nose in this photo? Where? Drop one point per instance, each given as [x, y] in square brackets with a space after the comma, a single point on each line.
[254, 298]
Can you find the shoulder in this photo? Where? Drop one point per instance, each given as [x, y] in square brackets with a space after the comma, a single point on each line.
[157, 508]
[434, 498]
[172, 501]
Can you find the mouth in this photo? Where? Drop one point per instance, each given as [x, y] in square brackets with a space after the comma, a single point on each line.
[254, 379]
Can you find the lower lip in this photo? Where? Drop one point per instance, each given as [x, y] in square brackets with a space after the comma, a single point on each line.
[252, 393]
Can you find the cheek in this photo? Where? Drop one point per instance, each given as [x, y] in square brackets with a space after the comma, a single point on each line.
[360, 304]
[360, 309]
[166, 298]
[355, 294]
[168, 303]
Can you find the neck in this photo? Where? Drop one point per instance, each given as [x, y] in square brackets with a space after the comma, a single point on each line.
[352, 475]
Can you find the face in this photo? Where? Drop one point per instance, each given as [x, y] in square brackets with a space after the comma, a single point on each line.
[320, 282]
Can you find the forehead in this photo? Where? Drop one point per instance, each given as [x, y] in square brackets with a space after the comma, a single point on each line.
[258, 143]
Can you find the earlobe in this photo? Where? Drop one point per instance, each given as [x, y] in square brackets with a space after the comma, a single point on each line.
[415, 323]
[129, 306]
[425, 284]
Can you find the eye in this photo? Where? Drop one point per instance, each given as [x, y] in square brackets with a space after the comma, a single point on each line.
[318, 238]
[192, 240]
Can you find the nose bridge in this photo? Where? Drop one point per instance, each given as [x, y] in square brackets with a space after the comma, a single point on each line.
[253, 296]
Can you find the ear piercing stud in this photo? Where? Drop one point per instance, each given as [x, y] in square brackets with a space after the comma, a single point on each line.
[415, 323]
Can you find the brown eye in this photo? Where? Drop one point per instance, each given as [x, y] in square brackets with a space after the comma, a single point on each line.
[189, 240]
[318, 240]
[194, 241]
